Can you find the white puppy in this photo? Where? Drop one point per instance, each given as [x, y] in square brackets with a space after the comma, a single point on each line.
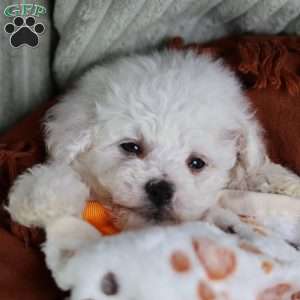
[155, 137]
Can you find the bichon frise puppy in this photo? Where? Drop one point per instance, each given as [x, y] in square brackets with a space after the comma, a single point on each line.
[155, 137]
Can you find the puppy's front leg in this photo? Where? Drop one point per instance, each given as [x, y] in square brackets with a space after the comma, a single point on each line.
[228, 221]
[45, 193]
[273, 178]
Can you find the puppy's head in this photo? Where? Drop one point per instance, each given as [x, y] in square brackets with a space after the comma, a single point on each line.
[159, 133]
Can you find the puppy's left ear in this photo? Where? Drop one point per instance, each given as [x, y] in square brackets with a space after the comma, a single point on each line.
[65, 237]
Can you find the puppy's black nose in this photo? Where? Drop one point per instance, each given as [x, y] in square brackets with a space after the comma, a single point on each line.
[160, 192]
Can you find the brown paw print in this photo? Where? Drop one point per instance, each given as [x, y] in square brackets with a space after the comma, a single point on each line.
[219, 262]
[276, 292]
[205, 292]
[180, 261]
[267, 266]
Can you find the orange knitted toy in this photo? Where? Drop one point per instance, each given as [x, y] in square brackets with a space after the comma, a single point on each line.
[98, 216]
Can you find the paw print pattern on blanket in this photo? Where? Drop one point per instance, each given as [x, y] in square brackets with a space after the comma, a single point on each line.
[205, 292]
[194, 261]
[180, 262]
[218, 262]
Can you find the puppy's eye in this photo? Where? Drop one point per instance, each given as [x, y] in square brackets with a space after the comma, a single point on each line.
[132, 148]
[195, 163]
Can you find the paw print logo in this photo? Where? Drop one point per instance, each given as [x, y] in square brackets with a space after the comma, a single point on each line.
[24, 32]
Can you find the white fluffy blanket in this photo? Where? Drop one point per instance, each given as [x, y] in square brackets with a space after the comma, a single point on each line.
[195, 260]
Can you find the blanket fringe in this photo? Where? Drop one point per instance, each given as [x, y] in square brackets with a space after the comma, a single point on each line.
[14, 159]
[267, 62]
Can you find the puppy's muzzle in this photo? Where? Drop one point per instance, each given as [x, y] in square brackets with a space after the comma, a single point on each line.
[159, 192]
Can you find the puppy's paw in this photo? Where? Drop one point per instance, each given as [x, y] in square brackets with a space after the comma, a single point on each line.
[65, 237]
[276, 179]
[45, 193]
[228, 222]
[283, 186]
[290, 188]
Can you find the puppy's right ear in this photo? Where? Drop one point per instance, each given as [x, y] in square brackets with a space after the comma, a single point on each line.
[65, 237]
[69, 127]
[251, 150]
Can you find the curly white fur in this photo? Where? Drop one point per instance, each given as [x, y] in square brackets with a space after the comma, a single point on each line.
[175, 104]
